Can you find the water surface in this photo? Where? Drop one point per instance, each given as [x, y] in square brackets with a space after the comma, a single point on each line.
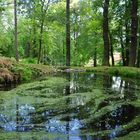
[73, 106]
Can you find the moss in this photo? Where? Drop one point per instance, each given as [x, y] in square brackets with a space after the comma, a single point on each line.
[31, 136]
[121, 71]
[131, 136]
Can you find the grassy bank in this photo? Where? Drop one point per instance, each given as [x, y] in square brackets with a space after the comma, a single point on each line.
[130, 72]
[13, 72]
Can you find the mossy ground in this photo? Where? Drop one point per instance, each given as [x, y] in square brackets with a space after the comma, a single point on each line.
[129, 72]
[31, 136]
[132, 136]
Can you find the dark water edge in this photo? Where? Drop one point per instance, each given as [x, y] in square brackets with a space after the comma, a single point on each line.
[74, 106]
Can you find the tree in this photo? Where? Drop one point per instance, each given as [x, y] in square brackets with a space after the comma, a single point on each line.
[44, 9]
[111, 49]
[134, 28]
[68, 42]
[16, 33]
[106, 33]
[138, 56]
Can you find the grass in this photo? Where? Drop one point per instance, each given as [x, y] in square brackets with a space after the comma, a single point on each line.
[130, 72]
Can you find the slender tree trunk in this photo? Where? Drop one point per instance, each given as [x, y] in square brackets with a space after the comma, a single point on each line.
[75, 48]
[40, 41]
[16, 34]
[42, 26]
[27, 49]
[127, 31]
[111, 49]
[122, 48]
[95, 57]
[41, 31]
[68, 48]
[34, 52]
[63, 52]
[75, 36]
[127, 44]
[34, 42]
[138, 57]
[106, 33]
[134, 27]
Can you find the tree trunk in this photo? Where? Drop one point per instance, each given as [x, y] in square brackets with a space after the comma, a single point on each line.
[122, 51]
[127, 31]
[111, 49]
[138, 57]
[16, 34]
[95, 57]
[63, 52]
[122, 47]
[106, 33]
[134, 27]
[34, 52]
[40, 42]
[42, 26]
[75, 34]
[68, 49]
[127, 44]
[27, 49]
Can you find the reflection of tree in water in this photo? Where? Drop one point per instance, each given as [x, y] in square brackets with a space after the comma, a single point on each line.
[17, 116]
[67, 119]
[81, 82]
[116, 85]
[68, 77]
[129, 90]
[107, 81]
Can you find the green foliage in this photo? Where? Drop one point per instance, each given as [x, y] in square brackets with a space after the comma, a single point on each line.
[84, 22]
[86, 30]
[24, 71]
[29, 61]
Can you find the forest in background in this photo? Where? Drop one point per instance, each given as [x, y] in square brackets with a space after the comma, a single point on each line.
[64, 32]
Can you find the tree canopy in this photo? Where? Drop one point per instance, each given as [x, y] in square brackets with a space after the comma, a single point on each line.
[94, 32]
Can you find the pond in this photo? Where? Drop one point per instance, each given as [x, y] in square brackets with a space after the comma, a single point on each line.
[72, 106]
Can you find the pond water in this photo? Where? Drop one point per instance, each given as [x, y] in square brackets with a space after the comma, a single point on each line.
[72, 106]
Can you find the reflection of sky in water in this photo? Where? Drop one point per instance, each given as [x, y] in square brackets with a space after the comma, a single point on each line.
[79, 100]
[20, 121]
[57, 126]
[118, 84]
[115, 131]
